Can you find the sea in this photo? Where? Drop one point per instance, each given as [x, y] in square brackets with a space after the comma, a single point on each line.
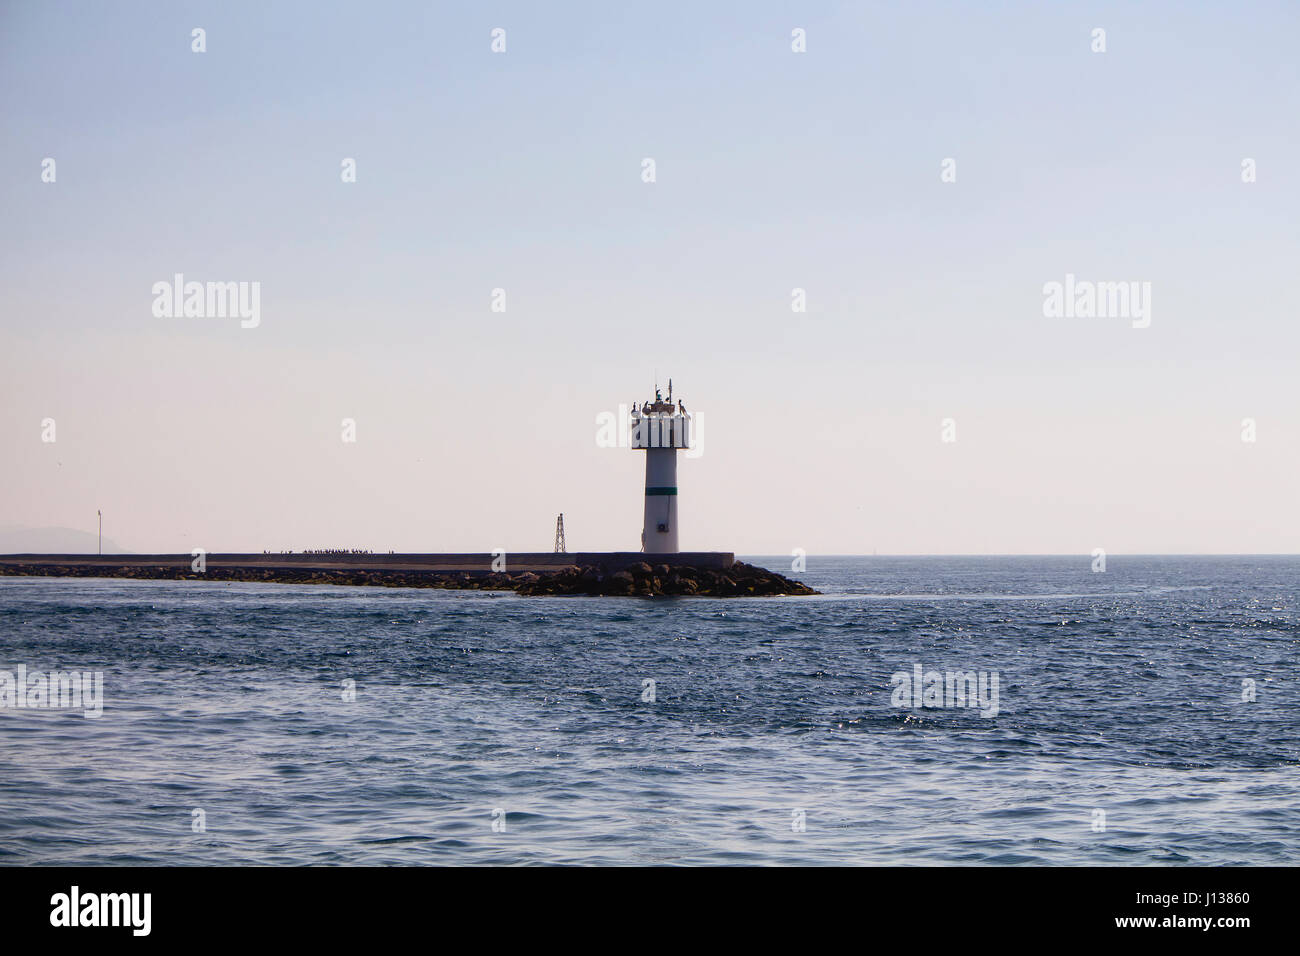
[923, 711]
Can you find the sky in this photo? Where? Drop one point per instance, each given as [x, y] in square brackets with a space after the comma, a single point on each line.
[774, 170]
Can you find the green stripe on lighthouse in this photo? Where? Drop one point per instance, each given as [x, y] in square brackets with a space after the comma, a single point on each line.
[661, 491]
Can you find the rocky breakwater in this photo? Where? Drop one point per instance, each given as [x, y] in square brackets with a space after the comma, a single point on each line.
[646, 580]
[639, 580]
[356, 578]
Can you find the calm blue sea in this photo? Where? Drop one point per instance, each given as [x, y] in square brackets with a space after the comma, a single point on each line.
[490, 728]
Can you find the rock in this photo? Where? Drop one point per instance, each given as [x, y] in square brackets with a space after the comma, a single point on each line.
[616, 584]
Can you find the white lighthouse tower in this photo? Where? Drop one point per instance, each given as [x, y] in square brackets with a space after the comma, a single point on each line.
[659, 428]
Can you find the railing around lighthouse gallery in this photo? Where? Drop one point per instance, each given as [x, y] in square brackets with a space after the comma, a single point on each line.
[660, 431]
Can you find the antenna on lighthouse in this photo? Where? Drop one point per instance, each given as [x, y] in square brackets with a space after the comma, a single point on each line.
[559, 534]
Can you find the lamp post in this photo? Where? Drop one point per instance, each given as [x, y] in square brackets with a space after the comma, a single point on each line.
[101, 530]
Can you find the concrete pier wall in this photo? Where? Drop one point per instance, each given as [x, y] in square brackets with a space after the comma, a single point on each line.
[469, 563]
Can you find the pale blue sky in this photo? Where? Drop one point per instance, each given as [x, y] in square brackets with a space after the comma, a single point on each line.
[775, 170]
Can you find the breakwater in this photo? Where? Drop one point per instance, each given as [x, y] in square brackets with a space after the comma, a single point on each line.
[704, 574]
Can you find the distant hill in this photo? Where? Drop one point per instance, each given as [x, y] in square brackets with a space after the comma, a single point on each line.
[16, 539]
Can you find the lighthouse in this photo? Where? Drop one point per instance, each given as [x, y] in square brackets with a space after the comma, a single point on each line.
[659, 428]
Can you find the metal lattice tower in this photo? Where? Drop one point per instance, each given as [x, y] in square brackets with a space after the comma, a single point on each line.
[559, 535]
